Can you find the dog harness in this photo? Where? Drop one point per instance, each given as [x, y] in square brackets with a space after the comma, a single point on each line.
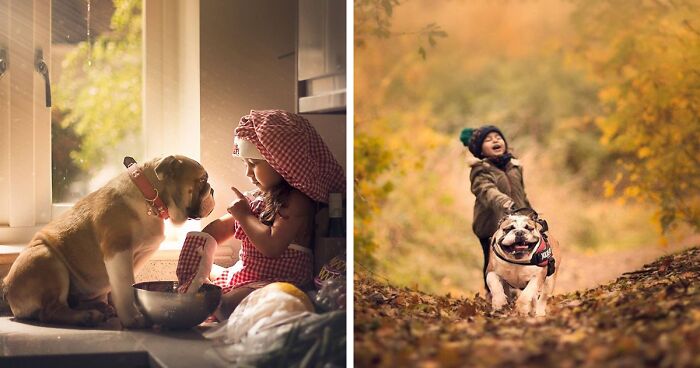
[542, 257]
[150, 193]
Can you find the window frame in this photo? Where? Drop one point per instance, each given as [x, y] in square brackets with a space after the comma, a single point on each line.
[170, 97]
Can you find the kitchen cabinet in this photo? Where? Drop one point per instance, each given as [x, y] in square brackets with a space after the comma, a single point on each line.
[321, 60]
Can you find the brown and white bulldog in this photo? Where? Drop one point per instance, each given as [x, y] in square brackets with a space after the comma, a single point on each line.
[522, 264]
[68, 269]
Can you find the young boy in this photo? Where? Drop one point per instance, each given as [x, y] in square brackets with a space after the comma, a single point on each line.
[496, 181]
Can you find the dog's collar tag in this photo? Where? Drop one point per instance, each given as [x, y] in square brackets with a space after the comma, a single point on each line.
[150, 193]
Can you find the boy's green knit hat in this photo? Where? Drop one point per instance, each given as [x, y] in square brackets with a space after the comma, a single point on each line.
[474, 138]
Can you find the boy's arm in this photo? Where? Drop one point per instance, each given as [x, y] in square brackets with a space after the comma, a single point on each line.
[522, 185]
[485, 189]
[273, 240]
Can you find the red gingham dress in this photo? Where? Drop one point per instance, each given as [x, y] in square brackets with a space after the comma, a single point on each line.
[190, 257]
[295, 265]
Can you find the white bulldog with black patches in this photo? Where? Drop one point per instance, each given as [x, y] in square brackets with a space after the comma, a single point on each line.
[522, 264]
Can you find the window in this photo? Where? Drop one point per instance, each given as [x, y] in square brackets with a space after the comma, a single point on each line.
[166, 122]
[96, 64]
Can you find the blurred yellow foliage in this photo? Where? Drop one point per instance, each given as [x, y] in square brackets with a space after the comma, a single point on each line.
[585, 99]
[644, 152]
[650, 93]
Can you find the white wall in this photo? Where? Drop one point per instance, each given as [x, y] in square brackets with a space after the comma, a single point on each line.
[248, 62]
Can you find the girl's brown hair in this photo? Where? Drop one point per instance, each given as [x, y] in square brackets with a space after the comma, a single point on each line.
[274, 200]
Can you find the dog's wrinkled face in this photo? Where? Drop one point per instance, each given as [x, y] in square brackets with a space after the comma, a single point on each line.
[517, 236]
[191, 194]
[202, 197]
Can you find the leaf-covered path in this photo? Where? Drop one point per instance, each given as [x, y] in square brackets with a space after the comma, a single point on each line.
[649, 317]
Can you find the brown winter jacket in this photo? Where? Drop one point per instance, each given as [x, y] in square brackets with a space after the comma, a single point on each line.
[493, 188]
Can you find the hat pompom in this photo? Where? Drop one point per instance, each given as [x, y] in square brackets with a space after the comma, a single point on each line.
[466, 135]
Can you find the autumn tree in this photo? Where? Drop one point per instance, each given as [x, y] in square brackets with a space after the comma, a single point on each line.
[372, 160]
[646, 56]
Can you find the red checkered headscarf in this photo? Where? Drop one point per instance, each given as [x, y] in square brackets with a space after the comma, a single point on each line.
[294, 149]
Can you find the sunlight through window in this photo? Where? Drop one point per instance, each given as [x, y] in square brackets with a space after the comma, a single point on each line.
[96, 117]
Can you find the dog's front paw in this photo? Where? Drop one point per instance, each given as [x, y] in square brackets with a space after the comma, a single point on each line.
[91, 317]
[106, 309]
[523, 307]
[136, 320]
[541, 310]
[498, 302]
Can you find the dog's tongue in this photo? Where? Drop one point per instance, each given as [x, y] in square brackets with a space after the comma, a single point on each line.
[521, 247]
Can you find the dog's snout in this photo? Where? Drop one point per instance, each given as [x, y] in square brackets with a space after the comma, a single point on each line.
[520, 235]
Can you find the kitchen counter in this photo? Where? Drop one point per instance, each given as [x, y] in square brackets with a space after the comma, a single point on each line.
[28, 344]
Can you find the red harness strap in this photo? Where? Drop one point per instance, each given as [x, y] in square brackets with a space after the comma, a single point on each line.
[543, 252]
[149, 192]
[543, 256]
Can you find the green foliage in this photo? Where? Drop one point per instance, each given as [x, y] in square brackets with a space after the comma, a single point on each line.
[429, 34]
[373, 18]
[646, 58]
[371, 161]
[99, 93]
[527, 96]
[63, 169]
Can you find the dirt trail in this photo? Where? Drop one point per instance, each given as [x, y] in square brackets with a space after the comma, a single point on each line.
[581, 271]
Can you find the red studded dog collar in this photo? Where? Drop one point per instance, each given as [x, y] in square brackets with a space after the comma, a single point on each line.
[150, 193]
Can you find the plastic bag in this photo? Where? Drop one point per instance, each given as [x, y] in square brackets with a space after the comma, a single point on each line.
[270, 306]
[332, 295]
[312, 340]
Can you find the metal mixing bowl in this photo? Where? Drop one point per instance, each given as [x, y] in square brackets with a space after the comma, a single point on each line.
[162, 305]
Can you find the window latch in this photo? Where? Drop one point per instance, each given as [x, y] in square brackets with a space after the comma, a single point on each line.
[43, 69]
[3, 62]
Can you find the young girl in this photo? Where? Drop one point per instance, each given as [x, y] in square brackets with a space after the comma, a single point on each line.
[292, 169]
[496, 181]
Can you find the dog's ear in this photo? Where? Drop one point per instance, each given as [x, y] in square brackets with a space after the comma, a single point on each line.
[533, 215]
[543, 224]
[166, 167]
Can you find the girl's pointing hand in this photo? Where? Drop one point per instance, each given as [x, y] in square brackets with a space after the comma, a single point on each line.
[239, 206]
